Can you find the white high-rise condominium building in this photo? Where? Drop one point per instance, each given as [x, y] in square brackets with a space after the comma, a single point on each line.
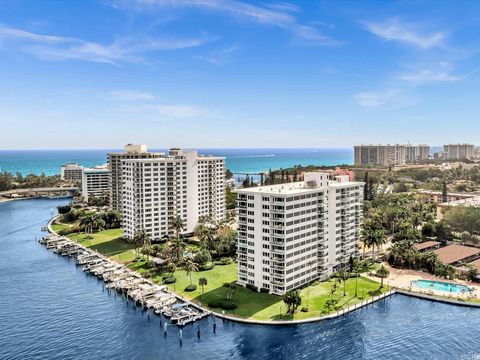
[458, 151]
[385, 155]
[131, 151]
[95, 182]
[182, 183]
[291, 234]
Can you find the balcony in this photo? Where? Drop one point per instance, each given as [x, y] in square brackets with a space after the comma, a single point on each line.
[276, 281]
[277, 251]
[277, 265]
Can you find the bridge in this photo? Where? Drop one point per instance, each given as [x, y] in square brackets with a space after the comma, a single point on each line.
[31, 192]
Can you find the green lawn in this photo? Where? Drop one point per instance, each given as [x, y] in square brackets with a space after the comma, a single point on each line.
[107, 242]
[265, 306]
[250, 304]
[58, 227]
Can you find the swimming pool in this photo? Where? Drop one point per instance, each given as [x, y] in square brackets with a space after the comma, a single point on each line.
[440, 286]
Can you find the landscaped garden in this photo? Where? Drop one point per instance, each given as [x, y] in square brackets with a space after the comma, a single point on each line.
[203, 269]
[320, 298]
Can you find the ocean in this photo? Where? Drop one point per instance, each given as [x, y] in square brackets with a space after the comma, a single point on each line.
[238, 160]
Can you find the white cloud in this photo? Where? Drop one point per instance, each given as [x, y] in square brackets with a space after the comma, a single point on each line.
[428, 76]
[395, 30]
[284, 6]
[278, 15]
[218, 57]
[60, 48]
[176, 111]
[128, 95]
[12, 33]
[391, 98]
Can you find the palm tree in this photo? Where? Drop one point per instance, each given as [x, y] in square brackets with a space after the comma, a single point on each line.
[139, 239]
[177, 224]
[344, 275]
[87, 223]
[334, 287]
[190, 267]
[293, 300]
[146, 246]
[202, 282]
[178, 247]
[97, 223]
[378, 238]
[356, 269]
[382, 273]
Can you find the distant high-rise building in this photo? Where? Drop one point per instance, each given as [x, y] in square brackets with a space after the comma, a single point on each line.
[182, 183]
[291, 234]
[458, 151]
[416, 153]
[385, 155]
[71, 172]
[95, 182]
[131, 151]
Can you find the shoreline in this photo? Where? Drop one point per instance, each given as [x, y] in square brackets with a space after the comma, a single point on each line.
[5, 200]
[254, 321]
[393, 290]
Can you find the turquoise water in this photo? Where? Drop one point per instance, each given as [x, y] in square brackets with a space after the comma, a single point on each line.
[238, 160]
[440, 286]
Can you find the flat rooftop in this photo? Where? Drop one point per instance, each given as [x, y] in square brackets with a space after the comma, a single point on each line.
[298, 187]
[459, 194]
[426, 245]
[473, 202]
[95, 170]
[453, 253]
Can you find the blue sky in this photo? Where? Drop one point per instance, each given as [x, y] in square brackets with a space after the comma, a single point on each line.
[226, 73]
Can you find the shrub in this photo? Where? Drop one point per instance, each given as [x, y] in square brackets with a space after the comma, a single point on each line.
[264, 290]
[251, 287]
[223, 304]
[203, 257]
[192, 287]
[169, 280]
[304, 309]
[224, 261]
[205, 267]
[63, 209]
[71, 216]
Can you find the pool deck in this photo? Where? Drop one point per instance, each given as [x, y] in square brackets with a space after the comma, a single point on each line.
[402, 278]
[438, 299]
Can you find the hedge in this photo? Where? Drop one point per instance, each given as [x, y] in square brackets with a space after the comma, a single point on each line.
[224, 261]
[169, 280]
[208, 266]
[223, 304]
[191, 287]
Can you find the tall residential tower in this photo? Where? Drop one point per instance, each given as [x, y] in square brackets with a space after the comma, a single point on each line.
[182, 183]
[131, 151]
[291, 234]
